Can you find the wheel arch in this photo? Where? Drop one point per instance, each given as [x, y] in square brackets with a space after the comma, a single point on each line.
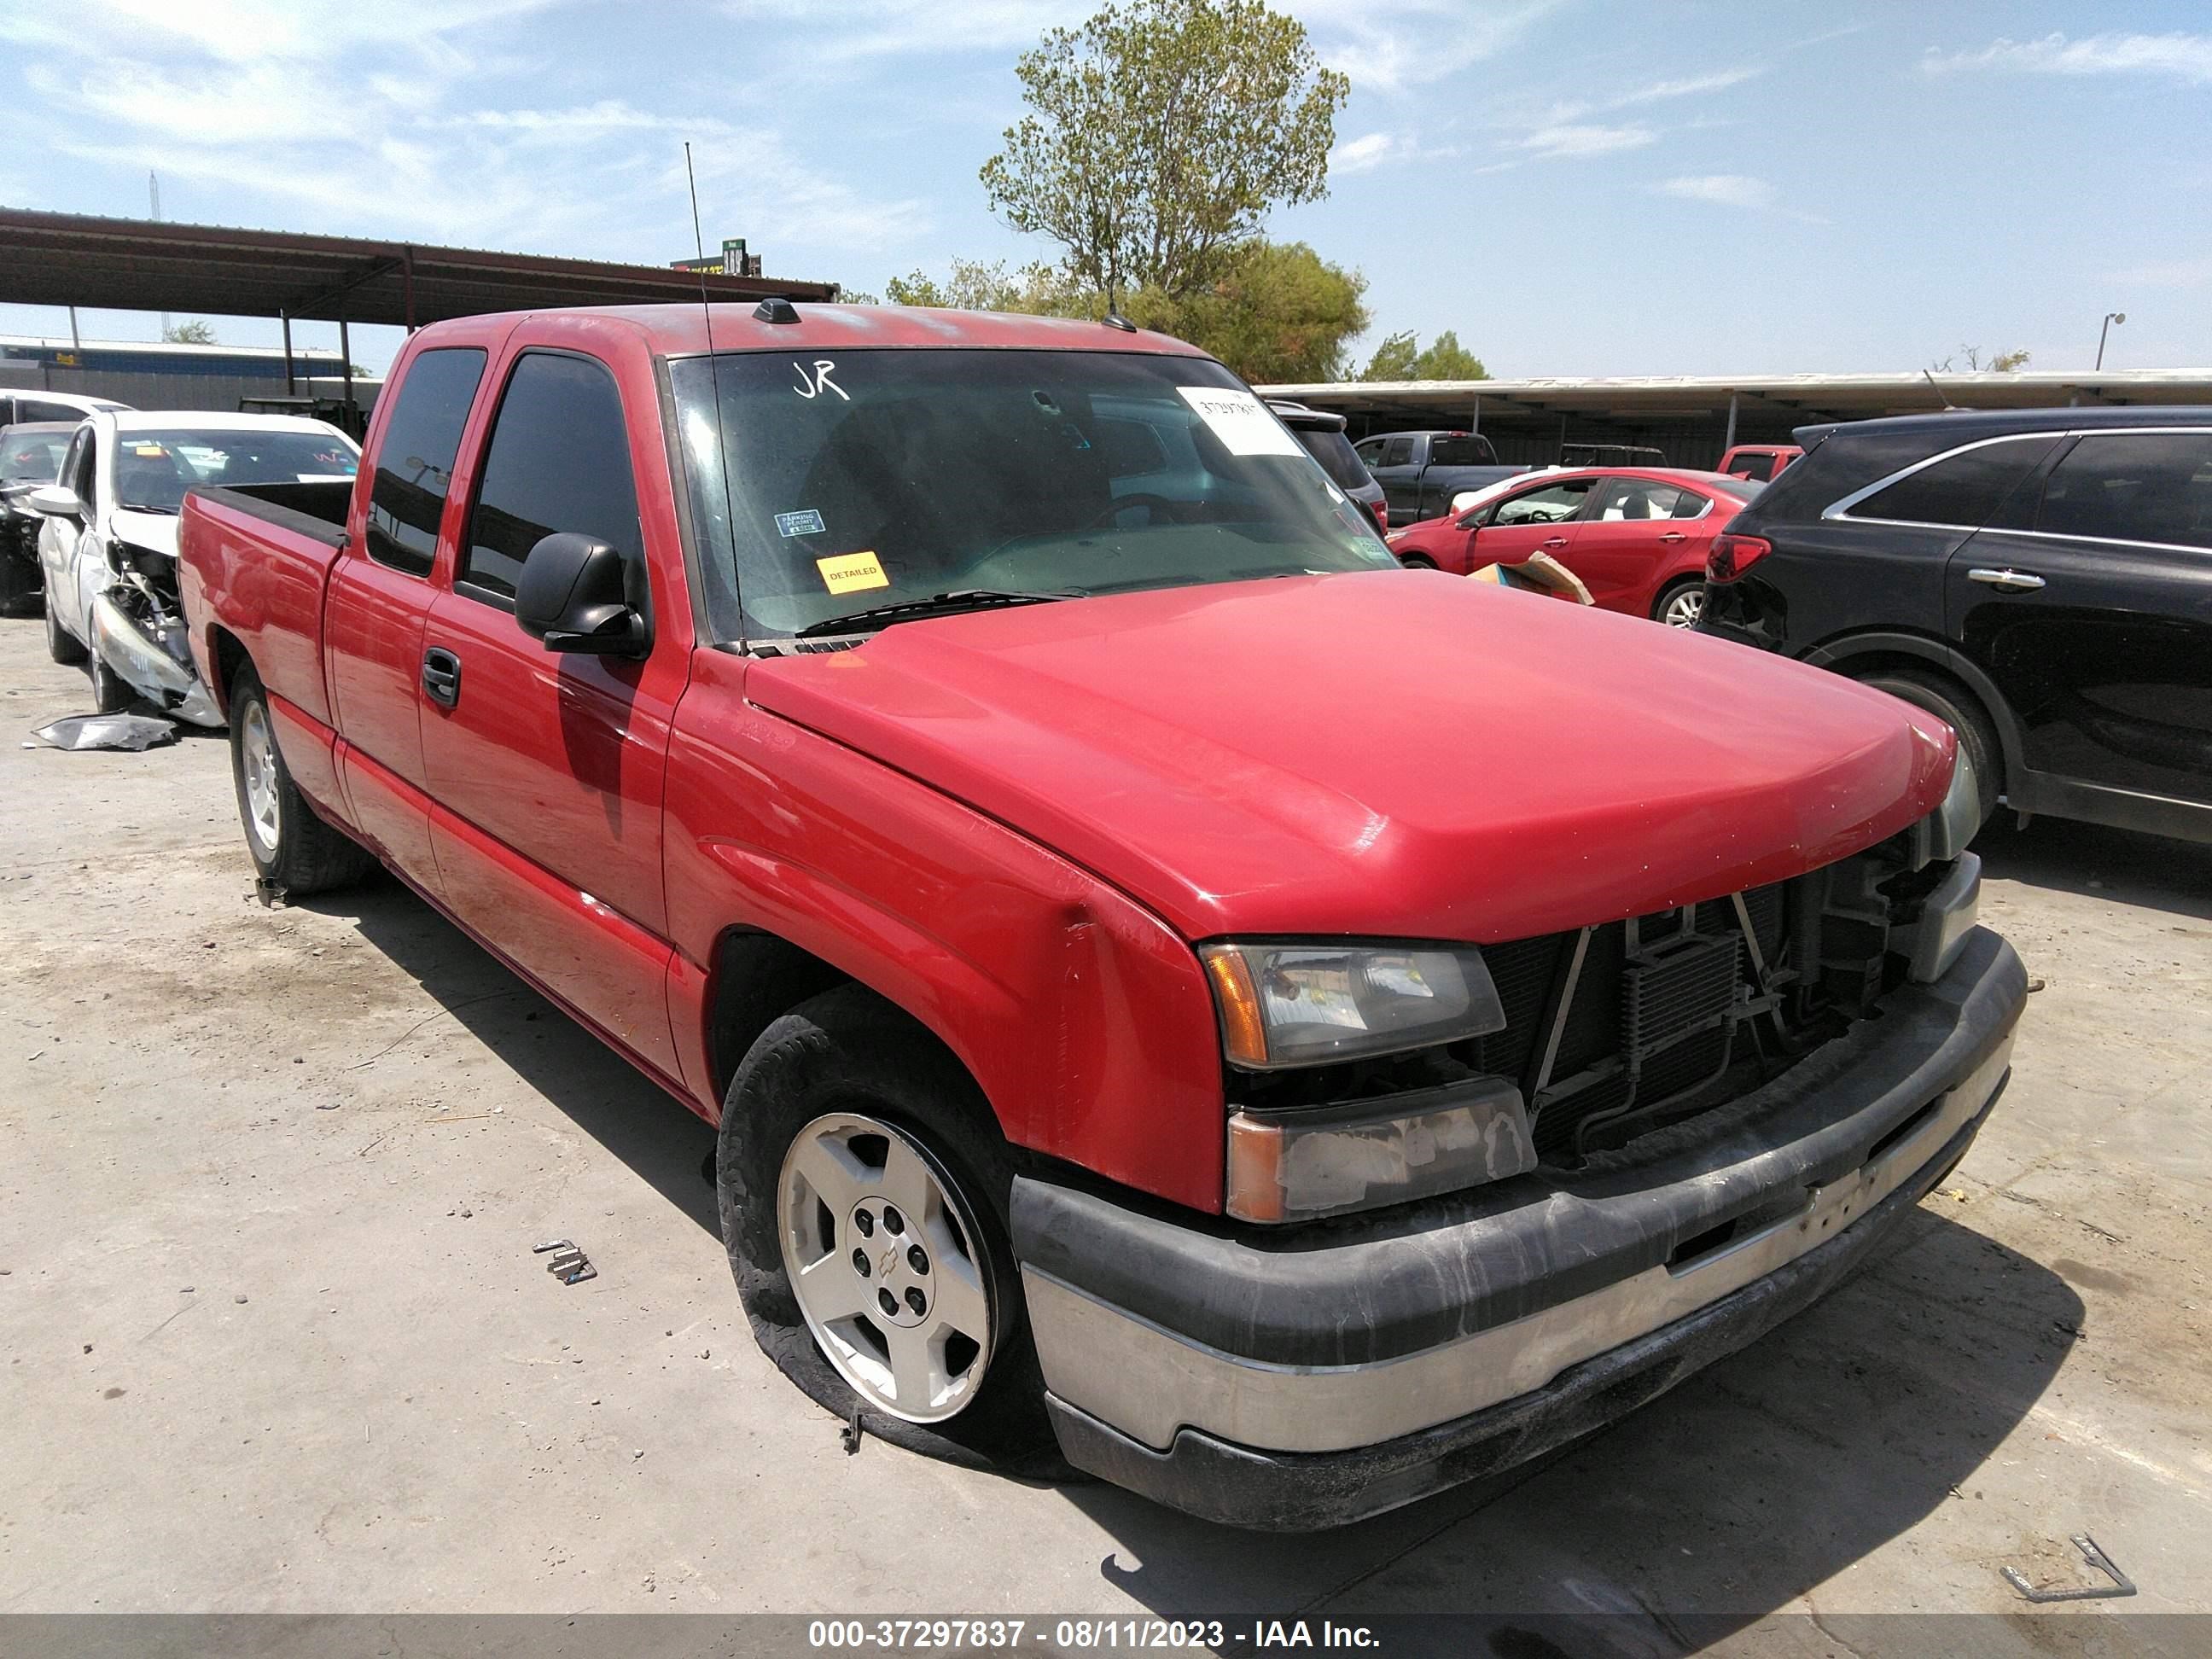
[227, 654]
[1858, 656]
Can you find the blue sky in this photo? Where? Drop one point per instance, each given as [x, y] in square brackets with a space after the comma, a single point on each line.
[1576, 187]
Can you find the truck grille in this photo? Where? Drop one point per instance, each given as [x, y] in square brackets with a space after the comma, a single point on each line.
[1650, 1019]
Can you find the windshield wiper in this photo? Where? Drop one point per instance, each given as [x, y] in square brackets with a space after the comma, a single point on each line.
[947, 603]
[145, 506]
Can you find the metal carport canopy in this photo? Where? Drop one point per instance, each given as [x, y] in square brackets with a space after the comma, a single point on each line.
[142, 264]
[1817, 397]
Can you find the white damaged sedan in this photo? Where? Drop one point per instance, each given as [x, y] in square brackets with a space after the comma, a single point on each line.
[108, 547]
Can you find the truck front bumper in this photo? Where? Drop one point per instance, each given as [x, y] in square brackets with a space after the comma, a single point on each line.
[1305, 1379]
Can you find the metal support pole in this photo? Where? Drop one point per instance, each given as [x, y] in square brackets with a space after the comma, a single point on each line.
[407, 284]
[76, 344]
[345, 352]
[291, 381]
[1476, 425]
[1729, 442]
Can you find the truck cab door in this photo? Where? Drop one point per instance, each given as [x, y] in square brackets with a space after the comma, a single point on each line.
[2089, 604]
[545, 767]
[380, 597]
[1399, 473]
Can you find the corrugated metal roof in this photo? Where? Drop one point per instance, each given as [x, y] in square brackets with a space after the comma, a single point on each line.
[142, 264]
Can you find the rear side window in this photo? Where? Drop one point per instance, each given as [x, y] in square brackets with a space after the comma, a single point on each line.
[1399, 452]
[1964, 489]
[1468, 450]
[2133, 487]
[1633, 498]
[415, 457]
[32, 408]
[1335, 453]
[559, 460]
[1758, 468]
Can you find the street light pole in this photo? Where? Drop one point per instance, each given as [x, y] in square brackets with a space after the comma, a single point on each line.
[2110, 317]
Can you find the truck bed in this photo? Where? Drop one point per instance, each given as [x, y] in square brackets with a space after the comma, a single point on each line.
[258, 558]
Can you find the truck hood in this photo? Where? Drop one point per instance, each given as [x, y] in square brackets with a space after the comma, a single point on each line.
[1395, 753]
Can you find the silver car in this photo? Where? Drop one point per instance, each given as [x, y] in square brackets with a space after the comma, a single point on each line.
[108, 547]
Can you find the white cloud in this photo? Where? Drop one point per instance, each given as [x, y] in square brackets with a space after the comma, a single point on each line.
[1689, 85]
[1362, 155]
[1734, 190]
[1727, 189]
[2179, 56]
[1573, 142]
[1389, 45]
[385, 120]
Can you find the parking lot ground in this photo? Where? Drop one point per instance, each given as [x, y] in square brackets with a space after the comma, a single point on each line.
[275, 1338]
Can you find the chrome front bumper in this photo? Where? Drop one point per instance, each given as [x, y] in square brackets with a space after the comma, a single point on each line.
[1299, 1356]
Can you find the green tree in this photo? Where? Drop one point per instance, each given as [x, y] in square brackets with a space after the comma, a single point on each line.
[1281, 312]
[1158, 136]
[196, 331]
[1400, 357]
[2001, 362]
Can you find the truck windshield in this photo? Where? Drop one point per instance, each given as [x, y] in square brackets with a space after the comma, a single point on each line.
[875, 477]
[154, 468]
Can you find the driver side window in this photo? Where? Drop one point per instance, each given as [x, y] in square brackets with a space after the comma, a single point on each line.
[1552, 504]
[77, 468]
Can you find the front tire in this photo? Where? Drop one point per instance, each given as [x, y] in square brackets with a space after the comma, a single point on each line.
[863, 1191]
[1681, 603]
[1957, 708]
[292, 847]
[111, 693]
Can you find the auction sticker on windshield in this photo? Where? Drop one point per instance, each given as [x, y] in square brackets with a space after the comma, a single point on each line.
[1241, 421]
[849, 572]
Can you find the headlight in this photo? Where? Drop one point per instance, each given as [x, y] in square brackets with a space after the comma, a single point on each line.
[1305, 1004]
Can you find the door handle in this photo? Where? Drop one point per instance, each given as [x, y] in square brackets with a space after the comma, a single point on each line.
[1553, 541]
[1674, 536]
[2007, 581]
[441, 676]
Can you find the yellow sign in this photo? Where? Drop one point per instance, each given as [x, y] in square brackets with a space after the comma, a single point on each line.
[848, 573]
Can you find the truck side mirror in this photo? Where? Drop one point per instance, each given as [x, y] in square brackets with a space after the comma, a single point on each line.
[574, 595]
[56, 501]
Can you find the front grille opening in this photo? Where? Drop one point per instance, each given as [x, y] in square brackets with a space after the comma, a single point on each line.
[1690, 1249]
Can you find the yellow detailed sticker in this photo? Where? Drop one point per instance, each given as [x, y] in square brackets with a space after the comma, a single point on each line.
[849, 572]
[153, 451]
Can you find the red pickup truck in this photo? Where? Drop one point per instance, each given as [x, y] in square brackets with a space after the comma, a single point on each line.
[948, 752]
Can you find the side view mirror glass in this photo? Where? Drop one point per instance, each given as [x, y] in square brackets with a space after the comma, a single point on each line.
[577, 593]
[57, 501]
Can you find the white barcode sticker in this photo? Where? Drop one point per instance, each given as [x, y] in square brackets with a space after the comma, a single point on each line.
[1241, 421]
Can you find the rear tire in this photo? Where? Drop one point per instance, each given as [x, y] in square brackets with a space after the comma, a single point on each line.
[64, 647]
[1682, 603]
[292, 847]
[847, 1068]
[1960, 709]
[1418, 561]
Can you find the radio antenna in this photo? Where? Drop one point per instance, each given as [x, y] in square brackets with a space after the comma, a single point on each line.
[715, 383]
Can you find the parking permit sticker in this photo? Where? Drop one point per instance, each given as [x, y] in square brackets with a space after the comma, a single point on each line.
[849, 572]
[808, 523]
[1240, 421]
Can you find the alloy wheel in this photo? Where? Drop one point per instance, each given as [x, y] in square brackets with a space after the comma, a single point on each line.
[1684, 608]
[257, 749]
[883, 1259]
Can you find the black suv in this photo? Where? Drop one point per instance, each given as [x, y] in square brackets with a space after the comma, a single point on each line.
[2041, 578]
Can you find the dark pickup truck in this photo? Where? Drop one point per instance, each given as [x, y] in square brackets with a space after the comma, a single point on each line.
[1421, 471]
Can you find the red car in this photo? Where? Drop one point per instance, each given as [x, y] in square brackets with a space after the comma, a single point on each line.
[1636, 536]
[943, 750]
